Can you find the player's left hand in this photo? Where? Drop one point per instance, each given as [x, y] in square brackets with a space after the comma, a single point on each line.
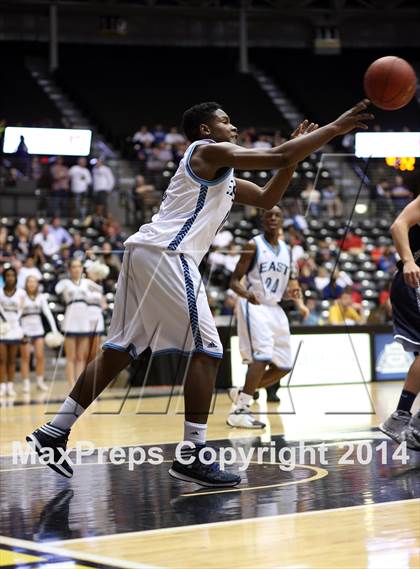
[305, 127]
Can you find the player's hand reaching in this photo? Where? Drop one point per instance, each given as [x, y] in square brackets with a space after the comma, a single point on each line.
[305, 127]
[412, 274]
[354, 118]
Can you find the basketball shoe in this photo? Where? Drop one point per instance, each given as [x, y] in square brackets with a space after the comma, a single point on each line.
[244, 419]
[209, 475]
[395, 425]
[412, 433]
[50, 444]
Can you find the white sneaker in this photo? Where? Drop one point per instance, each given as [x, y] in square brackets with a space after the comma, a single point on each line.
[26, 386]
[244, 419]
[10, 390]
[41, 385]
[2, 389]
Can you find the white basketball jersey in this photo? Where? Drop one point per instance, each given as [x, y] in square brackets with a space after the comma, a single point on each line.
[270, 273]
[191, 213]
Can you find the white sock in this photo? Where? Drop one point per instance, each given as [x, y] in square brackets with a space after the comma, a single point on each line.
[67, 415]
[10, 385]
[195, 432]
[244, 400]
[40, 379]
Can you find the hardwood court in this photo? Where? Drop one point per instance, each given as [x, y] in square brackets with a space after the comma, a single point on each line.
[352, 514]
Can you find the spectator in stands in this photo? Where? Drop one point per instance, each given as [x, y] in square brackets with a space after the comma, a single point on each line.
[32, 225]
[388, 260]
[113, 262]
[314, 318]
[332, 291]
[22, 158]
[143, 136]
[13, 175]
[311, 198]
[263, 141]
[36, 169]
[60, 234]
[174, 137]
[331, 201]
[28, 270]
[158, 134]
[77, 248]
[60, 187]
[381, 314]
[46, 240]
[400, 194]
[342, 311]
[145, 199]
[80, 179]
[103, 183]
[352, 243]
[382, 197]
[21, 243]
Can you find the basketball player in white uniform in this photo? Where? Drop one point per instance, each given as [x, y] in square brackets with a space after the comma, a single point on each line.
[263, 329]
[11, 303]
[160, 301]
[34, 305]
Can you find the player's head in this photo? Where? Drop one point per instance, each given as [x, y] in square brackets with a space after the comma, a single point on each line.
[272, 220]
[208, 120]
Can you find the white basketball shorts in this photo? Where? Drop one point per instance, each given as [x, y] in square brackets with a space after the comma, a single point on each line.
[264, 334]
[161, 303]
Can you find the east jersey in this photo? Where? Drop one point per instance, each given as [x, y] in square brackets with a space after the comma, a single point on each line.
[270, 273]
[191, 213]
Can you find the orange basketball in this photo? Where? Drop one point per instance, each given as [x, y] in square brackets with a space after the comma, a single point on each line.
[390, 83]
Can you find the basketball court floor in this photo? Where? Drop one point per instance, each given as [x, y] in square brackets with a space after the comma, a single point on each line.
[356, 506]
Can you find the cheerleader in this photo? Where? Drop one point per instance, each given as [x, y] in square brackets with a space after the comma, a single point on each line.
[34, 305]
[11, 304]
[75, 327]
[96, 272]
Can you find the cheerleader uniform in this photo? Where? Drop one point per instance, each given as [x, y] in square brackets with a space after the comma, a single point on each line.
[95, 293]
[11, 309]
[31, 320]
[76, 317]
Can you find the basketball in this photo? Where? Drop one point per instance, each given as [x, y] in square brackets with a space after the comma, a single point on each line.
[390, 83]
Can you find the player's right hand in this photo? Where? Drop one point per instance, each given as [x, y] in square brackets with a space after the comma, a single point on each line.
[411, 274]
[354, 118]
[252, 298]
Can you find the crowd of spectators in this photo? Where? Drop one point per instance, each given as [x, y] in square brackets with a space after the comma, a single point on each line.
[70, 188]
[35, 247]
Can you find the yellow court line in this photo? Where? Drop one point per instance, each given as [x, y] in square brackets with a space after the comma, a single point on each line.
[39, 549]
[319, 473]
[233, 522]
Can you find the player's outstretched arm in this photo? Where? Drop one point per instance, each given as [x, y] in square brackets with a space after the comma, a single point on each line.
[244, 264]
[409, 216]
[225, 154]
[249, 193]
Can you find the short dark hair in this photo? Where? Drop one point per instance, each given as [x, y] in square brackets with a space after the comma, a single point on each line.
[196, 115]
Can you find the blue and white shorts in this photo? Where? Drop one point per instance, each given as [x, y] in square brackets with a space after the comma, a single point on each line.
[161, 303]
[264, 334]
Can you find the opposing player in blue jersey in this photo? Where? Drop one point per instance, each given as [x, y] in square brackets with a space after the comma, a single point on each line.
[265, 271]
[160, 301]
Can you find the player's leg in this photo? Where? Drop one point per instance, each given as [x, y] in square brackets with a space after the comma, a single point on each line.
[39, 349]
[397, 423]
[25, 355]
[12, 351]
[70, 350]
[412, 433]
[3, 357]
[282, 355]
[271, 382]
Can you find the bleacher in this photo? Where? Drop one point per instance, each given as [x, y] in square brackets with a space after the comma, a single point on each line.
[323, 86]
[121, 88]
